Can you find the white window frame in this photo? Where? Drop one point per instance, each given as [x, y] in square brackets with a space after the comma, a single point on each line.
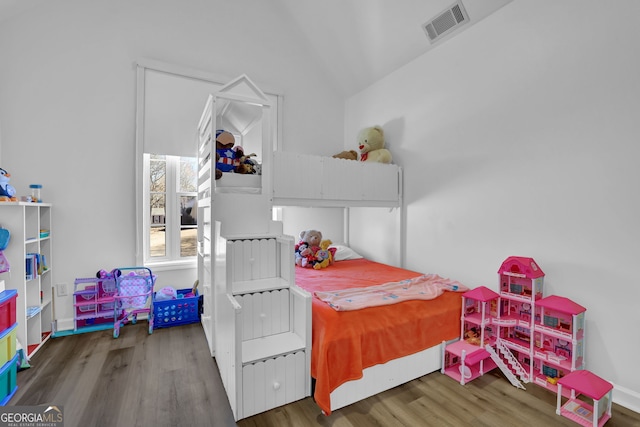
[172, 221]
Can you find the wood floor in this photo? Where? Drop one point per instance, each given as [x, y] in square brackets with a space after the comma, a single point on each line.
[169, 379]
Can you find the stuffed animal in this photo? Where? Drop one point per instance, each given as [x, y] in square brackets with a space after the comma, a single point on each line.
[7, 192]
[303, 254]
[227, 159]
[166, 293]
[307, 247]
[230, 158]
[371, 145]
[247, 165]
[348, 155]
[324, 257]
[312, 237]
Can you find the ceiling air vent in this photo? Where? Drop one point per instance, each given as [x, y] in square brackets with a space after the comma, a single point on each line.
[453, 17]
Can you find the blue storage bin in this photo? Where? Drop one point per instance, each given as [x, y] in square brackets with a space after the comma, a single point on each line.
[180, 311]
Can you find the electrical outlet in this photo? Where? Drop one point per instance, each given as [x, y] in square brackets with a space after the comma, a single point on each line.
[62, 290]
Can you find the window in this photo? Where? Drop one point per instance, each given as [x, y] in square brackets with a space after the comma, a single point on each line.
[170, 225]
[169, 101]
[550, 321]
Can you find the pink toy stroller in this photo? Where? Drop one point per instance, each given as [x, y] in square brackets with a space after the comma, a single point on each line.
[134, 291]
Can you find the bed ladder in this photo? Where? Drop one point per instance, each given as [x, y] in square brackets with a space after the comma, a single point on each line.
[513, 363]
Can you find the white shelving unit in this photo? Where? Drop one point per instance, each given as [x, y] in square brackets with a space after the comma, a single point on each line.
[30, 228]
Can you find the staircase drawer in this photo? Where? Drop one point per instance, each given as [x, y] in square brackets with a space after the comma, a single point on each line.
[273, 382]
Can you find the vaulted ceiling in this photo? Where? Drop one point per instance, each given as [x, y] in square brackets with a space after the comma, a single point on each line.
[356, 41]
[361, 41]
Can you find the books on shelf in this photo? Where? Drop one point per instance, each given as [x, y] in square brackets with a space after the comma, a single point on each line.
[31, 267]
[36, 264]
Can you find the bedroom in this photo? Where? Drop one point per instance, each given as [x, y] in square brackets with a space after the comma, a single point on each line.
[516, 137]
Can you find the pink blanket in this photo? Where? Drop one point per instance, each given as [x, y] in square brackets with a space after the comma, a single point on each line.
[425, 287]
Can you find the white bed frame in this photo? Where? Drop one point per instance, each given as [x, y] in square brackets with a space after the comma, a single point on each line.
[294, 179]
[379, 378]
[308, 180]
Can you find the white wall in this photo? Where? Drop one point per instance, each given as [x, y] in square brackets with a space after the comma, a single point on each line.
[67, 109]
[520, 137]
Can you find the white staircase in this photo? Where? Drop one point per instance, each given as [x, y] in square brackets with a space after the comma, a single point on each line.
[514, 365]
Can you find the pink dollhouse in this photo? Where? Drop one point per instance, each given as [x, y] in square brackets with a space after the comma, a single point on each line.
[530, 337]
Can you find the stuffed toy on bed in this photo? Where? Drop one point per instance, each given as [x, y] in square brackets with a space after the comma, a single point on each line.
[226, 156]
[347, 155]
[324, 256]
[312, 251]
[371, 144]
[231, 158]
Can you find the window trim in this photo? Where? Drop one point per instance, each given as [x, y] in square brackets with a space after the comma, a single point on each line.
[172, 220]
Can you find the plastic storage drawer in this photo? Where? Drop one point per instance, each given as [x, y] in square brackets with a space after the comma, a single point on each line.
[8, 383]
[8, 344]
[179, 311]
[7, 308]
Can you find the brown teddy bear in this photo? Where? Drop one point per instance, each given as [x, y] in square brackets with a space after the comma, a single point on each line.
[348, 155]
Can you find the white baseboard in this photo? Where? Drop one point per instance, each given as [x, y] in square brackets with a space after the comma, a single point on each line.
[64, 324]
[625, 397]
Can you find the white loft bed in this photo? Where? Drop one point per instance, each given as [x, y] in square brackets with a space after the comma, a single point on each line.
[294, 179]
[308, 180]
[347, 183]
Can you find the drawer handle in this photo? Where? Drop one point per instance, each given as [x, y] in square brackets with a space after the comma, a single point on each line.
[276, 386]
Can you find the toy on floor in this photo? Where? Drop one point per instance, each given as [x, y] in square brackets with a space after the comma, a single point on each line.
[104, 274]
[23, 358]
[167, 293]
[134, 296]
[7, 192]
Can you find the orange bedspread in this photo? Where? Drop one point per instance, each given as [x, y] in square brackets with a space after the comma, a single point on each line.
[346, 342]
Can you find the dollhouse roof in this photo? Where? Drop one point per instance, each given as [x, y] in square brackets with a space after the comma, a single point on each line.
[586, 383]
[481, 293]
[562, 304]
[526, 267]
